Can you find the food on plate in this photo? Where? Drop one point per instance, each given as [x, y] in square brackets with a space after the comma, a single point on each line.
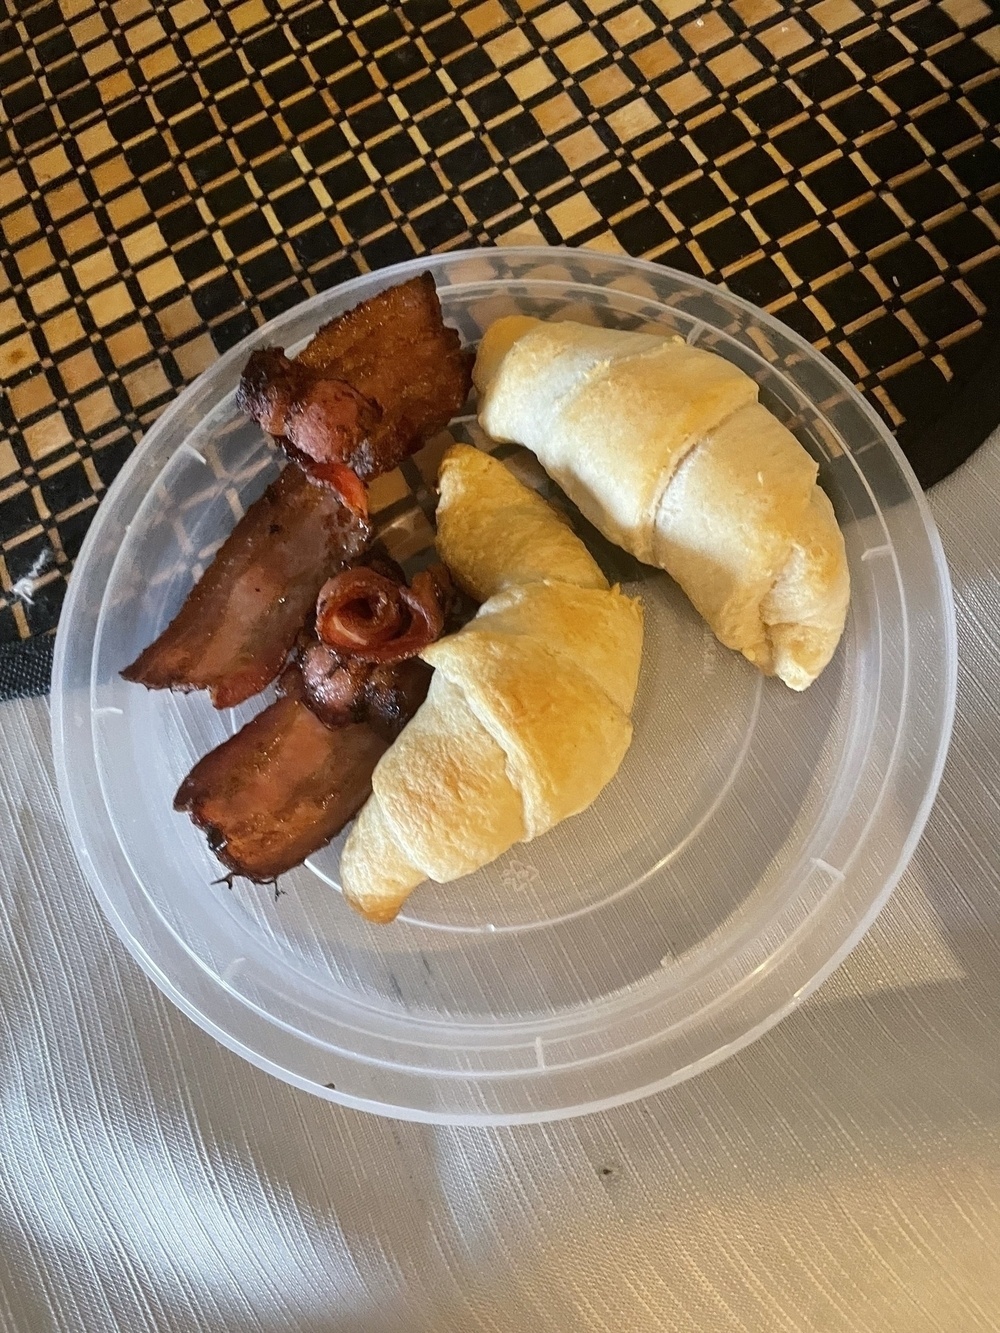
[369, 388]
[280, 789]
[376, 617]
[665, 448]
[528, 712]
[241, 619]
[290, 780]
[361, 665]
[320, 421]
[456, 735]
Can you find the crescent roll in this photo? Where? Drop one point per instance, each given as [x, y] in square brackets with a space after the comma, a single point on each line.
[528, 713]
[665, 448]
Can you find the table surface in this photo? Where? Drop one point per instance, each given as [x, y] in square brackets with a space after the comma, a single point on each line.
[843, 1173]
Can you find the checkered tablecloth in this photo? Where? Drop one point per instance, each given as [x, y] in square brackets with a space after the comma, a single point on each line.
[173, 174]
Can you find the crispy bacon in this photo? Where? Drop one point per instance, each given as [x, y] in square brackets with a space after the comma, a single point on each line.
[291, 779]
[340, 691]
[320, 420]
[359, 608]
[396, 351]
[335, 688]
[362, 667]
[330, 421]
[240, 620]
[390, 361]
[367, 391]
[280, 789]
[377, 619]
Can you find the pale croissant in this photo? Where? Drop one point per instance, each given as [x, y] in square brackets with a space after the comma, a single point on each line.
[665, 448]
[528, 713]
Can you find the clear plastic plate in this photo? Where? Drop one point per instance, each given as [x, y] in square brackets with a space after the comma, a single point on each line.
[747, 843]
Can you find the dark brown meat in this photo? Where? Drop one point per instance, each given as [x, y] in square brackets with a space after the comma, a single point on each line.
[361, 665]
[359, 608]
[321, 421]
[269, 385]
[290, 780]
[241, 619]
[365, 393]
[394, 693]
[390, 361]
[362, 613]
[395, 350]
[335, 689]
[280, 789]
[368, 390]
[342, 690]
[293, 777]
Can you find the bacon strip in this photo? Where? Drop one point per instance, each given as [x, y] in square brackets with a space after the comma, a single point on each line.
[240, 620]
[365, 393]
[396, 351]
[280, 789]
[392, 356]
[321, 415]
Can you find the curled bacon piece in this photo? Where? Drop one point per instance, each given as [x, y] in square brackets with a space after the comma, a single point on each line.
[318, 418]
[287, 783]
[363, 613]
[363, 667]
[330, 421]
[358, 609]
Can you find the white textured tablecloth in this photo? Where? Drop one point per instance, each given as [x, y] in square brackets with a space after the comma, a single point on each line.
[841, 1174]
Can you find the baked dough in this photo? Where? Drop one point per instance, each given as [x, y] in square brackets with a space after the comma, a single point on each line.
[665, 448]
[528, 713]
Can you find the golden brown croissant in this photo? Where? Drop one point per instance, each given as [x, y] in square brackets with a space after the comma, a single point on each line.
[527, 716]
[665, 448]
